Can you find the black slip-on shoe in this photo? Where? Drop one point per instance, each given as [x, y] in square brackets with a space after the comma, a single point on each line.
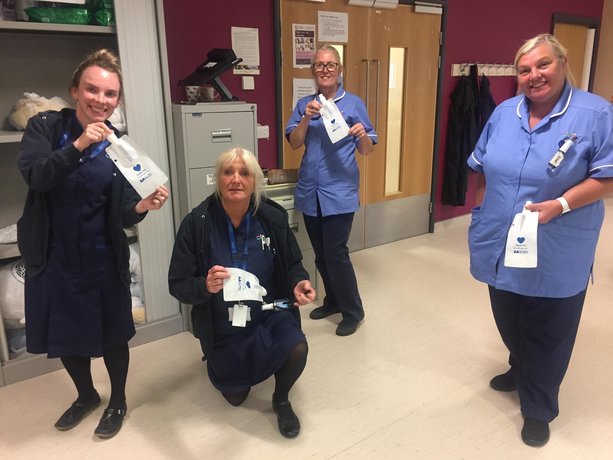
[289, 425]
[77, 412]
[110, 423]
[504, 382]
[535, 433]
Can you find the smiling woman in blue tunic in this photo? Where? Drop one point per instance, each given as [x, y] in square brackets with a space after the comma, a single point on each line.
[77, 284]
[551, 147]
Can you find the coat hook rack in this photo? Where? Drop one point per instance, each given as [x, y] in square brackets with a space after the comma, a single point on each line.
[487, 69]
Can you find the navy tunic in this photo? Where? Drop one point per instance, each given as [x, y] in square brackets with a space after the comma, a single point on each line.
[244, 356]
[77, 305]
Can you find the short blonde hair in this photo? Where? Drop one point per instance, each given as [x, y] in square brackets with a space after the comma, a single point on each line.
[252, 165]
[556, 47]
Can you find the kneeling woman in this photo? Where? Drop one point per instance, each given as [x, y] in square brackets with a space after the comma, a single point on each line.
[237, 227]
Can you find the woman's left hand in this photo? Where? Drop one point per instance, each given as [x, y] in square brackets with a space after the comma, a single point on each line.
[304, 293]
[358, 130]
[154, 201]
[547, 210]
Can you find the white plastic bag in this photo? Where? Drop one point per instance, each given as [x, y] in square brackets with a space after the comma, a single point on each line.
[522, 249]
[12, 294]
[242, 285]
[135, 165]
[333, 120]
[30, 105]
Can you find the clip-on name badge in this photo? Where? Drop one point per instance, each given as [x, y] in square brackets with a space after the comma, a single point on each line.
[239, 314]
[558, 157]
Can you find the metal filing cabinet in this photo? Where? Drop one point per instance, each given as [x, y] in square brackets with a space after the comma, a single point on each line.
[284, 195]
[202, 132]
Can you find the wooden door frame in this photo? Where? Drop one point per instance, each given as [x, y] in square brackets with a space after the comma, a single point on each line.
[590, 23]
[439, 92]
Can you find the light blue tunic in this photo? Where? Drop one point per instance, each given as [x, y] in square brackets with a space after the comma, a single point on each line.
[330, 171]
[515, 161]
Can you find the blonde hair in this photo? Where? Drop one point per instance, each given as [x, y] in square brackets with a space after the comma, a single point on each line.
[103, 58]
[252, 165]
[556, 47]
[330, 48]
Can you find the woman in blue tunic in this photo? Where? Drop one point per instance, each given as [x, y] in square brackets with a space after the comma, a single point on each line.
[237, 227]
[77, 295]
[553, 146]
[327, 189]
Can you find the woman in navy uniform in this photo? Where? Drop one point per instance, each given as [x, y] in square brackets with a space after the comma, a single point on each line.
[77, 284]
[551, 145]
[237, 227]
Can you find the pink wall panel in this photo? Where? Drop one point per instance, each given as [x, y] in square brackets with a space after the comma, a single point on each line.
[492, 31]
[193, 27]
[477, 31]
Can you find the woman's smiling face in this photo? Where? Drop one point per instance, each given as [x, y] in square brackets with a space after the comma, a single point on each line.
[541, 76]
[97, 95]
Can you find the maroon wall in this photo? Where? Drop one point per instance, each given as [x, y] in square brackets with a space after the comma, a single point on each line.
[477, 31]
[193, 27]
[491, 32]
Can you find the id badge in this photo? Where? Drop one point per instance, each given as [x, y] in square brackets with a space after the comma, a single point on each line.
[239, 315]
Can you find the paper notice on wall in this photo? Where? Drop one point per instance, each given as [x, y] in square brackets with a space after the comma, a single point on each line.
[304, 44]
[302, 87]
[333, 27]
[246, 45]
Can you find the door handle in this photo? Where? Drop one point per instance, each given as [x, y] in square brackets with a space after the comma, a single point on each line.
[377, 93]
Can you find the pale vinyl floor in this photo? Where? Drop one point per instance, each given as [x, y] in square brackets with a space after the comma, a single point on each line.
[411, 384]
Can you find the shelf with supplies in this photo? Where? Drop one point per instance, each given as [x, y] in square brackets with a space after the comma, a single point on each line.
[27, 26]
[10, 136]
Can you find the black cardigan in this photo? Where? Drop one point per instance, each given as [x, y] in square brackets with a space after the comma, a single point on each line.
[190, 262]
[44, 164]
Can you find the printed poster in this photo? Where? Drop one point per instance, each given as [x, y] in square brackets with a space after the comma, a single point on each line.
[304, 44]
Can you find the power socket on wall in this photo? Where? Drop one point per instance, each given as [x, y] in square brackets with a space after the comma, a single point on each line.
[263, 132]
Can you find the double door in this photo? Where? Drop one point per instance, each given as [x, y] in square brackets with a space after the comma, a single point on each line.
[391, 60]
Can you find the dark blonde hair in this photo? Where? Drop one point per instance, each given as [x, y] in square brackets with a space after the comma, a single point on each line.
[103, 58]
[556, 47]
[252, 165]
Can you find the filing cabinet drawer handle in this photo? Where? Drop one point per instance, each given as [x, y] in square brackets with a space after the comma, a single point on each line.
[294, 227]
[221, 135]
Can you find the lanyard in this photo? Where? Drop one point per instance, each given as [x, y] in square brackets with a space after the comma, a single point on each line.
[234, 248]
[92, 153]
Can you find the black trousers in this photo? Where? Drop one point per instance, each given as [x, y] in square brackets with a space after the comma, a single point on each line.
[329, 236]
[539, 333]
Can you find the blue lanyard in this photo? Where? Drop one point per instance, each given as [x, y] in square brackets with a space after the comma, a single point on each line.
[234, 248]
[92, 153]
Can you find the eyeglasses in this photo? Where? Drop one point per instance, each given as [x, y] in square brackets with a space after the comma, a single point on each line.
[320, 66]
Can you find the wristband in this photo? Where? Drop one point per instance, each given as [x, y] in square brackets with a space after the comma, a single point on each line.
[564, 203]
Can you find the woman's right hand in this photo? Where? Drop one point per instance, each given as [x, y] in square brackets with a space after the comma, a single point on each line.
[215, 277]
[92, 133]
[312, 109]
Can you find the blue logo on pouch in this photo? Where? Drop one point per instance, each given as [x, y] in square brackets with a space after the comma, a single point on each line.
[136, 167]
[520, 239]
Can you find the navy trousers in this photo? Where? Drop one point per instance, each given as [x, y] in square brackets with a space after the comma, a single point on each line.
[539, 333]
[329, 236]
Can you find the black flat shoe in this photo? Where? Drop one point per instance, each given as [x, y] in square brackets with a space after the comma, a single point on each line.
[535, 433]
[504, 382]
[323, 312]
[110, 423]
[77, 412]
[289, 425]
[347, 326]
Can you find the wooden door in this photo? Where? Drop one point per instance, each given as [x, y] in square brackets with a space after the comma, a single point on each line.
[401, 104]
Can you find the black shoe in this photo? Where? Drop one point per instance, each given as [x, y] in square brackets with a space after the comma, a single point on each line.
[323, 312]
[110, 423]
[504, 382]
[535, 433]
[347, 326]
[289, 425]
[77, 412]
